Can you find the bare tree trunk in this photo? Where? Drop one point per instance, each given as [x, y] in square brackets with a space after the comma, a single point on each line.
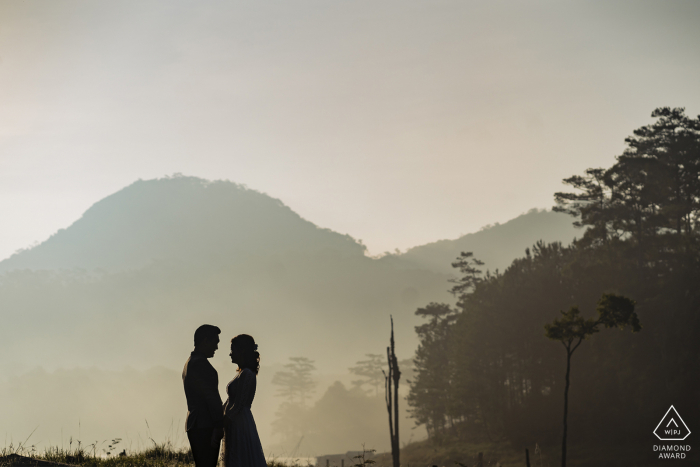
[388, 398]
[392, 400]
[396, 375]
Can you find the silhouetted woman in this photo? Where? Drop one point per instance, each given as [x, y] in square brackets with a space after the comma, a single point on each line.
[242, 446]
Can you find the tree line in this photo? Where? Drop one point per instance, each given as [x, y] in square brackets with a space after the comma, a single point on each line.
[484, 369]
[341, 418]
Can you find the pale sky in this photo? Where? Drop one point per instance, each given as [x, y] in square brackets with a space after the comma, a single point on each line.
[397, 122]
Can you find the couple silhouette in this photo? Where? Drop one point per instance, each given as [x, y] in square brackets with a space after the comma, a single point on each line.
[209, 421]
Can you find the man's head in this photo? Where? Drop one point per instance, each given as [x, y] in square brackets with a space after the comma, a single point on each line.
[206, 339]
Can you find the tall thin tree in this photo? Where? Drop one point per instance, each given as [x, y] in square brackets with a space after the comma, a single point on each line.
[572, 329]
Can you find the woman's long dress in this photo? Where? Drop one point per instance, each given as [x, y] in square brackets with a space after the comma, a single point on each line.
[242, 446]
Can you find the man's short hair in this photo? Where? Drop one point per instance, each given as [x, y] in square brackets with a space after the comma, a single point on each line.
[205, 331]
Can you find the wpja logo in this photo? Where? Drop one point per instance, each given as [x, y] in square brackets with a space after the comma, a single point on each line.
[672, 428]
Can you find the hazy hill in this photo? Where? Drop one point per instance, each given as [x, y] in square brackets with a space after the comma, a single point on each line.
[180, 218]
[191, 220]
[496, 245]
[173, 253]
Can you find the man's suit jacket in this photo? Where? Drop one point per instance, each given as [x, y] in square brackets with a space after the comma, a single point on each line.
[201, 381]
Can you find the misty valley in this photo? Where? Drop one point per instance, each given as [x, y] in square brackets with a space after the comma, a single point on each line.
[98, 321]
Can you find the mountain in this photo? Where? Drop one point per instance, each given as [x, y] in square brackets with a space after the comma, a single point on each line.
[496, 245]
[182, 219]
[142, 268]
[196, 221]
[160, 257]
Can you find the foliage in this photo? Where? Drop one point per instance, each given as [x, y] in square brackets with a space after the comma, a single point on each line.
[471, 275]
[361, 460]
[617, 311]
[613, 311]
[296, 384]
[370, 371]
[653, 187]
[571, 329]
[161, 455]
[486, 372]
[429, 396]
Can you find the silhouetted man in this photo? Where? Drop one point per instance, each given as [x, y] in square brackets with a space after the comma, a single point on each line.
[205, 417]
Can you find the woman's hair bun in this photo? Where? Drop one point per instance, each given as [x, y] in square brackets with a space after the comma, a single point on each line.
[248, 348]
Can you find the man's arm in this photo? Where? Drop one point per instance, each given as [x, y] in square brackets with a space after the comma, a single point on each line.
[205, 382]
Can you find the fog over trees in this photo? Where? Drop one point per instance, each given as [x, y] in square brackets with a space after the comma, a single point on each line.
[120, 291]
[115, 298]
[484, 367]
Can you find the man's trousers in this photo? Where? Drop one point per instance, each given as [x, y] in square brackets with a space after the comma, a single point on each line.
[205, 455]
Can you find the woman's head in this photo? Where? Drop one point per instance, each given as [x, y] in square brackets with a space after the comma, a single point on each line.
[244, 352]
